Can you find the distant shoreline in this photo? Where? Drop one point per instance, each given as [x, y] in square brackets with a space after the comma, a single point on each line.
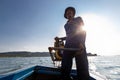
[30, 54]
[24, 54]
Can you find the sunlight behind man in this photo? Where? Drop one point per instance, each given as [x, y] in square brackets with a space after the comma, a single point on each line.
[101, 37]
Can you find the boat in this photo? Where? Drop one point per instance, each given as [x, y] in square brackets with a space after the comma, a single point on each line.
[41, 73]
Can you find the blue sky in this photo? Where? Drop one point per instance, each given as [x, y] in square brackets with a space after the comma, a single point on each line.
[31, 25]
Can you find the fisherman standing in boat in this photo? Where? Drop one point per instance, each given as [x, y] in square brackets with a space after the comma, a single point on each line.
[75, 38]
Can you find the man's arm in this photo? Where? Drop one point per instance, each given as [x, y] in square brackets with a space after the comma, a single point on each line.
[82, 40]
[63, 38]
[80, 20]
[60, 38]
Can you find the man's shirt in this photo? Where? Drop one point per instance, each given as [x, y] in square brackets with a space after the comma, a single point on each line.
[74, 34]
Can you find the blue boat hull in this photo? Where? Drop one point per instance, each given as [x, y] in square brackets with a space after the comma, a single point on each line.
[37, 73]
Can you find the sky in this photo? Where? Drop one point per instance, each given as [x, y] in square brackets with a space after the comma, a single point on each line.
[31, 25]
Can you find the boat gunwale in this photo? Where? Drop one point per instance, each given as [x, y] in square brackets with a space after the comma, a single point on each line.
[27, 71]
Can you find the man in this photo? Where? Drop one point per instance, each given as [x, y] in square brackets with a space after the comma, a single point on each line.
[75, 38]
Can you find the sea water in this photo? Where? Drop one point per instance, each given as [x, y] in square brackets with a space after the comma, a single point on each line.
[108, 66]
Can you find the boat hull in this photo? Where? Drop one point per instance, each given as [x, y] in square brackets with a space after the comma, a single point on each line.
[38, 73]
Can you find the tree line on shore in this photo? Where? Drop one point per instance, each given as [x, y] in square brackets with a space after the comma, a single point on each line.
[30, 54]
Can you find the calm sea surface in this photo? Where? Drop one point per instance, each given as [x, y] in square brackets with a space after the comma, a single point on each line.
[108, 66]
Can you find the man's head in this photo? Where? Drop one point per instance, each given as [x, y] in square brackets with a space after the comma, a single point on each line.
[69, 12]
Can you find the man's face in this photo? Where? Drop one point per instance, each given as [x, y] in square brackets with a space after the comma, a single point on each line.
[69, 14]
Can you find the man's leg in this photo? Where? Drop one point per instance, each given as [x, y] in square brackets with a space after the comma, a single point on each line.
[66, 65]
[82, 66]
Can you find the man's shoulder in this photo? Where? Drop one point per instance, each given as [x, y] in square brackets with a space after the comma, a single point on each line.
[78, 18]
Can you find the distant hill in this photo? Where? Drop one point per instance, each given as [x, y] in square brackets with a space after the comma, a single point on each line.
[30, 54]
[24, 54]
[90, 54]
